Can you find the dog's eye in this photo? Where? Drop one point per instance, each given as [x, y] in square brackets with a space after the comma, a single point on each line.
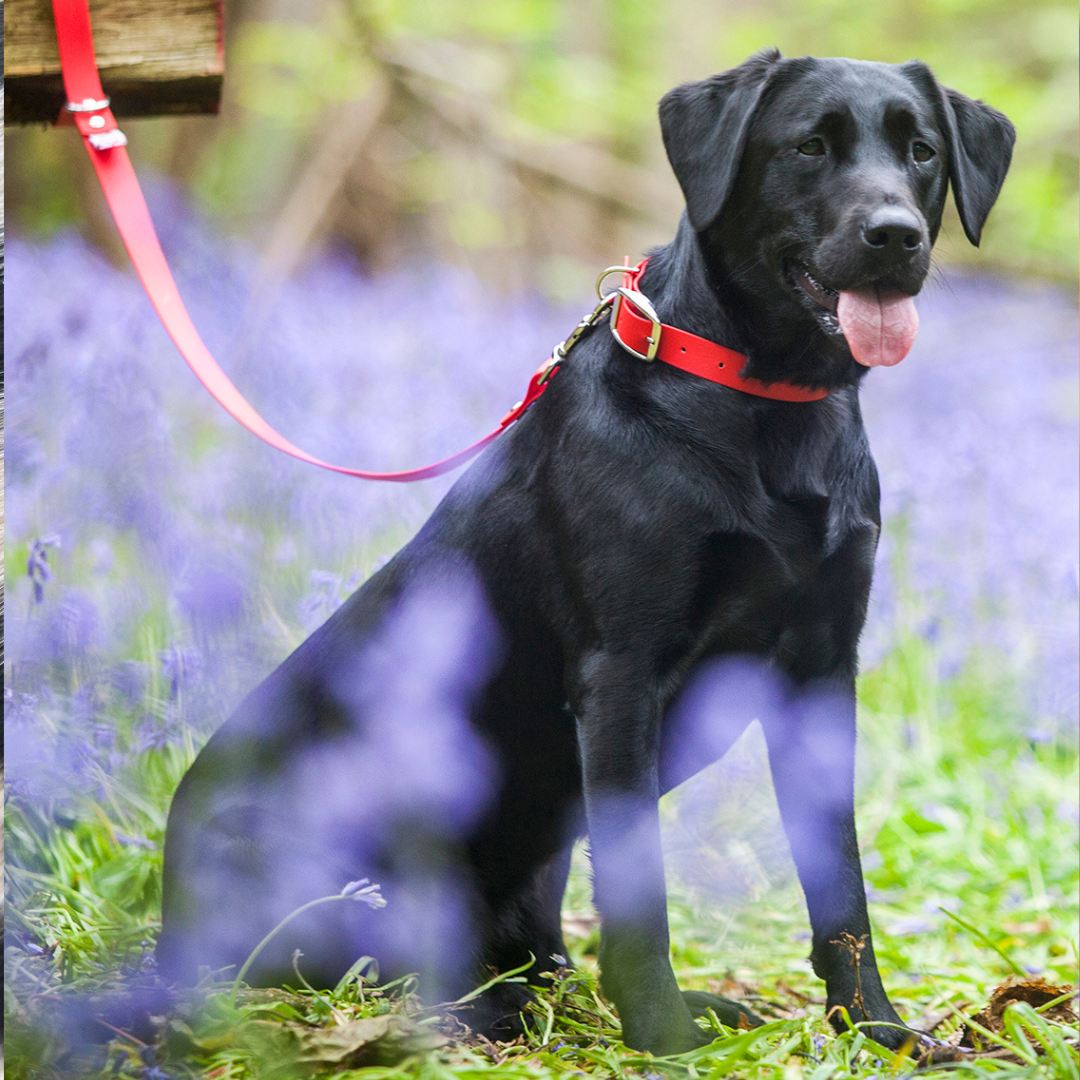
[814, 147]
[921, 152]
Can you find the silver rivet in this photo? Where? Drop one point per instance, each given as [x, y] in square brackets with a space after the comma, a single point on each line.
[96, 121]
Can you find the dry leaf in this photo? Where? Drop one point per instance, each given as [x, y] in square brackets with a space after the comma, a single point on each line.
[1036, 992]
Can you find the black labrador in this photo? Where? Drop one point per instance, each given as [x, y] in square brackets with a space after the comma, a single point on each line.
[516, 676]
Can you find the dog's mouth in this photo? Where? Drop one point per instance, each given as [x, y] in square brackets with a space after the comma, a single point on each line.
[879, 322]
[820, 295]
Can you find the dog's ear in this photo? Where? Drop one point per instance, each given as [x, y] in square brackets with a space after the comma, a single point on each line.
[980, 148]
[704, 126]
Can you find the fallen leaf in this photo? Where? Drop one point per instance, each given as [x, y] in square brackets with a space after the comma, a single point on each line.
[729, 987]
[298, 1050]
[1036, 992]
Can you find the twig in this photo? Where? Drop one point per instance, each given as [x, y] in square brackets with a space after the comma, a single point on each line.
[586, 170]
[854, 948]
[343, 134]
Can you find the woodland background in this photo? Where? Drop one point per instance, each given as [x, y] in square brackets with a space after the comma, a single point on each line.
[519, 137]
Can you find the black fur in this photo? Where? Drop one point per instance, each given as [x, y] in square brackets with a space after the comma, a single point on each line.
[636, 525]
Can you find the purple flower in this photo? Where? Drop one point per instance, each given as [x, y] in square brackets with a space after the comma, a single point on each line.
[37, 564]
[134, 841]
[910, 925]
[180, 668]
[179, 526]
[976, 454]
[212, 594]
[130, 678]
[365, 892]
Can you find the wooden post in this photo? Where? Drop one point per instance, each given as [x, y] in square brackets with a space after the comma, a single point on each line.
[156, 57]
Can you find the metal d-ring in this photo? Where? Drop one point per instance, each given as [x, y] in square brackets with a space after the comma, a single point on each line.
[87, 105]
[604, 274]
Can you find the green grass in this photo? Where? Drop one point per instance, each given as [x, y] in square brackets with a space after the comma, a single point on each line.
[969, 835]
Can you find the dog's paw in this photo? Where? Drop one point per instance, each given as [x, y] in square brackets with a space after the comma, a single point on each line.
[888, 1029]
[729, 1013]
[666, 1040]
[497, 1013]
[916, 1043]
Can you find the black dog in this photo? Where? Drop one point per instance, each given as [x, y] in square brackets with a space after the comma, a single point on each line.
[516, 675]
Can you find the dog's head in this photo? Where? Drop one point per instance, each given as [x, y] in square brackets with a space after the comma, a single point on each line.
[817, 187]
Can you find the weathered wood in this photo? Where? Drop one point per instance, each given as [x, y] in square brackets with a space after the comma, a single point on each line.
[155, 56]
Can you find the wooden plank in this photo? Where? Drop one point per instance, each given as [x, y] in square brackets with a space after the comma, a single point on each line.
[155, 56]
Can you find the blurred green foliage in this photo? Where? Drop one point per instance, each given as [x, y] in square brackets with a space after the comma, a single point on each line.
[592, 71]
[595, 70]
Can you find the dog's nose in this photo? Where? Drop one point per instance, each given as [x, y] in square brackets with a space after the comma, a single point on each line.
[893, 231]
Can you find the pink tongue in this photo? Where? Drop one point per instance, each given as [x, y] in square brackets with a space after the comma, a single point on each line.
[880, 327]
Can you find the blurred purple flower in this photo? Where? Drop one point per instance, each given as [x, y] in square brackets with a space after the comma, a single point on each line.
[1040, 736]
[72, 626]
[910, 925]
[151, 733]
[37, 564]
[410, 693]
[365, 892]
[180, 668]
[130, 678]
[25, 746]
[212, 594]
[329, 593]
[134, 841]
[169, 507]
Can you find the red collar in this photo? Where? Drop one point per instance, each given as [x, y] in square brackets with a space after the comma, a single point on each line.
[638, 330]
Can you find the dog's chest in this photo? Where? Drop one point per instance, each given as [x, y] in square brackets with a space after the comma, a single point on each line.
[789, 581]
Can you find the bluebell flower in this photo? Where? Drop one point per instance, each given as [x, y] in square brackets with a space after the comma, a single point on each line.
[112, 443]
[365, 892]
[180, 667]
[37, 564]
[134, 841]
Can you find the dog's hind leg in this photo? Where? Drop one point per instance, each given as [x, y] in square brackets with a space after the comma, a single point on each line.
[528, 926]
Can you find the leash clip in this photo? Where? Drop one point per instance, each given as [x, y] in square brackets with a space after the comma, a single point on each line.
[107, 140]
[95, 126]
[644, 305]
[586, 324]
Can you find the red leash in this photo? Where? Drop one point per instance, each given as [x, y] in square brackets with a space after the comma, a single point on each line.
[105, 144]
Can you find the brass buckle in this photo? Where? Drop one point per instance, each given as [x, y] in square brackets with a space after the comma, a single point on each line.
[642, 303]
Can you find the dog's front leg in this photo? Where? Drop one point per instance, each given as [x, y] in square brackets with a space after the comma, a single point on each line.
[618, 723]
[812, 757]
